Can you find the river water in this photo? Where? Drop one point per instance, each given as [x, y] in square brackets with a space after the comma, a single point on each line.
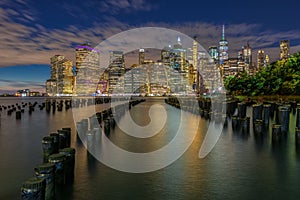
[240, 166]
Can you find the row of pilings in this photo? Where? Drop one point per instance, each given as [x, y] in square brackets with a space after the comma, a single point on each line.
[49, 104]
[265, 115]
[56, 170]
[105, 120]
[279, 114]
[210, 110]
[18, 109]
[53, 105]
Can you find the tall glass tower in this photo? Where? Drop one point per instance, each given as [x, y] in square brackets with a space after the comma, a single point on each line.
[223, 48]
[87, 69]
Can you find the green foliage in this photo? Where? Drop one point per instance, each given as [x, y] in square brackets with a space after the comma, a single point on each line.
[281, 77]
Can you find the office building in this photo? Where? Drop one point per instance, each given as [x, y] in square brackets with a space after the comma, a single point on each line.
[141, 56]
[135, 80]
[245, 58]
[267, 60]
[213, 52]
[116, 71]
[247, 54]
[234, 67]
[51, 87]
[65, 80]
[55, 61]
[284, 49]
[61, 80]
[87, 70]
[195, 54]
[260, 59]
[165, 55]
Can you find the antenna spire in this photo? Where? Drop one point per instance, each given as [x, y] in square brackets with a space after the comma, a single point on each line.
[223, 32]
[178, 40]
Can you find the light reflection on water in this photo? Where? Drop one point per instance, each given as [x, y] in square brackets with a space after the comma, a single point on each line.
[239, 167]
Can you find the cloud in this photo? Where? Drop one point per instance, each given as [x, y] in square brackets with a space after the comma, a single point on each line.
[23, 44]
[107, 7]
[127, 6]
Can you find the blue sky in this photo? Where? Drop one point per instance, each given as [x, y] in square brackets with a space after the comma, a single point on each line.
[33, 31]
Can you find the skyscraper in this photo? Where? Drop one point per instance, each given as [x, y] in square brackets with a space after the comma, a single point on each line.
[260, 59]
[213, 52]
[179, 64]
[195, 53]
[284, 49]
[87, 69]
[116, 71]
[223, 48]
[247, 54]
[165, 55]
[267, 60]
[65, 81]
[61, 80]
[178, 57]
[234, 67]
[55, 61]
[141, 56]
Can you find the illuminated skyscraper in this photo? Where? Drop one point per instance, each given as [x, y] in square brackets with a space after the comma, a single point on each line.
[65, 81]
[267, 60]
[87, 69]
[179, 64]
[214, 54]
[178, 57]
[141, 56]
[223, 48]
[189, 55]
[240, 60]
[51, 87]
[245, 59]
[55, 61]
[195, 53]
[61, 81]
[284, 49]
[116, 71]
[240, 56]
[135, 80]
[234, 67]
[102, 87]
[165, 56]
[260, 59]
[247, 54]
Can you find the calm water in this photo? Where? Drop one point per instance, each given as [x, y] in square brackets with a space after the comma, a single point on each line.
[239, 167]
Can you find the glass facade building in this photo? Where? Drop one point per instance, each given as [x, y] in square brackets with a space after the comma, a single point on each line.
[62, 78]
[87, 70]
[116, 71]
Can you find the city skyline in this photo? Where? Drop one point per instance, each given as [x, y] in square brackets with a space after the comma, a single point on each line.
[31, 34]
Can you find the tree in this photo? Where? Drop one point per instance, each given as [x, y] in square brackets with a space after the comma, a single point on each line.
[281, 77]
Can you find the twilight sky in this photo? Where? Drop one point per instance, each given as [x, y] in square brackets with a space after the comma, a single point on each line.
[33, 31]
